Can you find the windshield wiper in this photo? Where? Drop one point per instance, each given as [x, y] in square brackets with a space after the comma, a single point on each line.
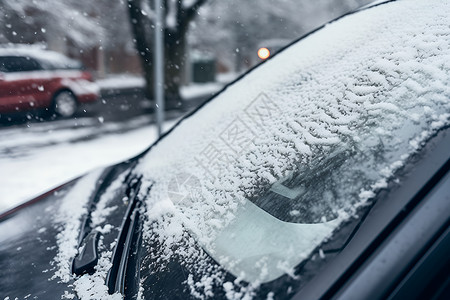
[87, 256]
[88, 251]
[127, 239]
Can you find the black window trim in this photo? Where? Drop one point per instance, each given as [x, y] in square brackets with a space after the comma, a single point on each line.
[383, 219]
[383, 271]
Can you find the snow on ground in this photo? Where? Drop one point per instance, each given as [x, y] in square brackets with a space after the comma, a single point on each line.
[197, 90]
[187, 92]
[121, 81]
[36, 159]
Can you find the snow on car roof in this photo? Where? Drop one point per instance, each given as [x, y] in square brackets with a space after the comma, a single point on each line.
[32, 51]
[39, 53]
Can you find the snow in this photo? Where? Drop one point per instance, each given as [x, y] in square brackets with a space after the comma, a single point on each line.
[197, 90]
[42, 75]
[187, 92]
[359, 95]
[69, 217]
[171, 15]
[35, 159]
[38, 52]
[81, 87]
[93, 286]
[122, 81]
[102, 210]
[353, 90]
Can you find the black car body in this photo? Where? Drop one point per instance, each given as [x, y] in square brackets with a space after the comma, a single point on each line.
[337, 189]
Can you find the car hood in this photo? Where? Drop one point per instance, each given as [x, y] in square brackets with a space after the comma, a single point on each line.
[39, 239]
[28, 239]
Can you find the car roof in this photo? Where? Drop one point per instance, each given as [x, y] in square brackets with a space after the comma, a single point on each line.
[37, 53]
[22, 50]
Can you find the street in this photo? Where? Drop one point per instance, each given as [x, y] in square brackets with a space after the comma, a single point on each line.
[36, 156]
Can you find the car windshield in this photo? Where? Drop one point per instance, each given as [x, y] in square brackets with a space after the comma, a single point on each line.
[269, 169]
[231, 158]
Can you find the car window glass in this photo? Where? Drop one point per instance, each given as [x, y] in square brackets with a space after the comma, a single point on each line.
[18, 64]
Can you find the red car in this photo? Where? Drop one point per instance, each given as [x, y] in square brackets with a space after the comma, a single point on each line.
[35, 79]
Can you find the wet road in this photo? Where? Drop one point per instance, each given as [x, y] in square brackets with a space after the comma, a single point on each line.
[114, 106]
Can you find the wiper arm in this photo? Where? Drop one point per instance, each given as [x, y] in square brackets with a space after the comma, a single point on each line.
[87, 258]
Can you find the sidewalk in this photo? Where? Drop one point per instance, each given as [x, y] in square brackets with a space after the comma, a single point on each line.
[123, 97]
[130, 84]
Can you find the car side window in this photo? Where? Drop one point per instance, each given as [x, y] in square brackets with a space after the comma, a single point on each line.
[4, 64]
[18, 64]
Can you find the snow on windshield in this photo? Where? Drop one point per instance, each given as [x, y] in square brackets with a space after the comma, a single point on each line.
[352, 101]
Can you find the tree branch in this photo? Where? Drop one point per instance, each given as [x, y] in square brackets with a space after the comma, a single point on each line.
[147, 11]
[190, 12]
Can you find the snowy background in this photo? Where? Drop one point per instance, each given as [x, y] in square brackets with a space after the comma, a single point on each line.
[44, 155]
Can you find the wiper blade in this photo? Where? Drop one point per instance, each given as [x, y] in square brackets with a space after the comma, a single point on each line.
[116, 276]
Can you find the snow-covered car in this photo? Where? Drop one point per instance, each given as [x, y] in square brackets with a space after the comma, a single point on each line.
[37, 79]
[322, 173]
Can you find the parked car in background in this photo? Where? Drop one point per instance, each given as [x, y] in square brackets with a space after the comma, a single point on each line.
[323, 173]
[37, 79]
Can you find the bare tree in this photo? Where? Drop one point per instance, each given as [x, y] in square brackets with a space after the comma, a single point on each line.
[24, 21]
[179, 15]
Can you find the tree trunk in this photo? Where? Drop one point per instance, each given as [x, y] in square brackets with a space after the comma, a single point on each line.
[142, 44]
[174, 48]
[175, 60]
